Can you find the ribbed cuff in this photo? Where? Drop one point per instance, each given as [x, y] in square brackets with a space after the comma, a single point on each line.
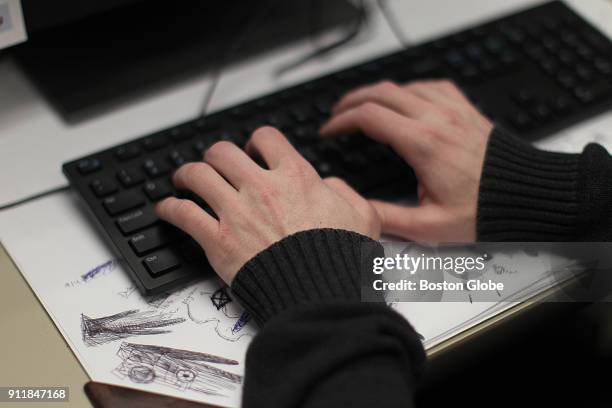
[527, 194]
[315, 266]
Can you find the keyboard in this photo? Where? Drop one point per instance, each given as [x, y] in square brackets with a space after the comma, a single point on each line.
[535, 72]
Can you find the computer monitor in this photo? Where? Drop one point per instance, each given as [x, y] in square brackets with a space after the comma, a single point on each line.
[86, 55]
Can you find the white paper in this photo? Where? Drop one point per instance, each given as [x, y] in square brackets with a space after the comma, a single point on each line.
[12, 28]
[76, 277]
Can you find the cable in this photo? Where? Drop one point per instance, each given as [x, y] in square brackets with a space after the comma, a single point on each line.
[35, 197]
[320, 51]
[234, 47]
[392, 23]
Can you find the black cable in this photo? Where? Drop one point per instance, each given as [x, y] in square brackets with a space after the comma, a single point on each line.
[392, 23]
[354, 30]
[34, 197]
[235, 45]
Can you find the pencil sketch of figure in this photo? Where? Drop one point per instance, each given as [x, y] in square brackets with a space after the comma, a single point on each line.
[179, 369]
[102, 330]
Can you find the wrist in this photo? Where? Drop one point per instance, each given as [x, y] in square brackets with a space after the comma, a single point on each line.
[527, 194]
[314, 266]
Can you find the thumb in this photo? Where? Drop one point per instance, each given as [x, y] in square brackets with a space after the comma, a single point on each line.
[406, 222]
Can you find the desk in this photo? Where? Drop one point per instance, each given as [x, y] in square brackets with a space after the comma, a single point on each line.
[37, 354]
[31, 345]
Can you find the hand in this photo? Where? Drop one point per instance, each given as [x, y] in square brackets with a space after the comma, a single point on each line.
[443, 137]
[258, 207]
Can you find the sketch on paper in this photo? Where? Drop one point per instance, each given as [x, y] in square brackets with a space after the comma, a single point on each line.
[179, 369]
[101, 330]
[220, 298]
[231, 324]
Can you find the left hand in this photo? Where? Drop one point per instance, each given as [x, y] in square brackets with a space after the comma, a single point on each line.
[258, 207]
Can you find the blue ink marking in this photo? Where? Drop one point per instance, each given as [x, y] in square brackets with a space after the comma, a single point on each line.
[106, 266]
[241, 322]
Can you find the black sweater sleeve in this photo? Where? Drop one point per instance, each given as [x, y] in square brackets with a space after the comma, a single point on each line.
[319, 346]
[528, 194]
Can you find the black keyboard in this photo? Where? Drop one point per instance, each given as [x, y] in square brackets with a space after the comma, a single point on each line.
[535, 72]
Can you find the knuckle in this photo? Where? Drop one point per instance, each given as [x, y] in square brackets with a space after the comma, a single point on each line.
[334, 180]
[263, 132]
[193, 171]
[452, 115]
[368, 109]
[385, 86]
[301, 171]
[185, 210]
[217, 149]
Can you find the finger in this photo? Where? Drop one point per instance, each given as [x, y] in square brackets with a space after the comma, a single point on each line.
[232, 163]
[408, 137]
[387, 94]
[187, 216]
[204, 181]
[272, 146]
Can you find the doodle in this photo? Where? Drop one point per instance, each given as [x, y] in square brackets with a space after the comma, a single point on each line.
[127, 292]
[241, 322]
[220, 298]
[103, 268]
[96, 331]
[179, 369]
[156, 301]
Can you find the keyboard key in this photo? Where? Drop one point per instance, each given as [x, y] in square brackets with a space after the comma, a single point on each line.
[302, 113]
[593, 92]
[122, 202]
[471, 74]
[200, 147]
[567, 79]
[585, 73]
[137, 220]
[524, 97]
[521, 120]
[178, 158]
[153, 238]
[127, 152]
[603, 66]
[156, 190]
[561, 104]
[541, 112]
[161, 262]
[156, 167]
[103, 187]
[88, 166]
[130, 177]
[207, 124]
[154, 142]
[178, 134]
[425, 68]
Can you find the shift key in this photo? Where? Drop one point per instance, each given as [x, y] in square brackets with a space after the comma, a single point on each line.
[153, 238]
[161, 262]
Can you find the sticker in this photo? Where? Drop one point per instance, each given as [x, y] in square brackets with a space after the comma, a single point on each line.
[12, 27]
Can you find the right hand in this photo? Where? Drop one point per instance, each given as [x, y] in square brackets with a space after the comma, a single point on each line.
[441, 135]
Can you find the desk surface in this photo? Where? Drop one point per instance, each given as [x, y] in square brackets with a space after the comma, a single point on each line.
[31, 345]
